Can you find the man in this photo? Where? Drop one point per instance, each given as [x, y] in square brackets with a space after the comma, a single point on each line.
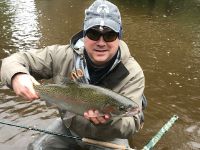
[96, 55]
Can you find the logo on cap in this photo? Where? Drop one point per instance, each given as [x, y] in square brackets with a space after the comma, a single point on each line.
[103, 8]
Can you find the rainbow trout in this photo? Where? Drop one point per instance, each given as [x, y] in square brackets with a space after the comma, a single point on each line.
[79, 97]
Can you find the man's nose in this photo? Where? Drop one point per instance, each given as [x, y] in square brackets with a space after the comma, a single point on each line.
[101, 41]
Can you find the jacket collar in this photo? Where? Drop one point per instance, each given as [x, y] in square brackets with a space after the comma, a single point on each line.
[115, 76]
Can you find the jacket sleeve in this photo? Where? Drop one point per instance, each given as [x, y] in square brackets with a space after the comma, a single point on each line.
[35, 62]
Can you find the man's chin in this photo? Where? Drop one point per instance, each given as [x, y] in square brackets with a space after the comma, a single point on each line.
[100, 61]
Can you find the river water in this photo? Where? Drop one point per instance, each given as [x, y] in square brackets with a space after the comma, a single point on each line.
[163, 36]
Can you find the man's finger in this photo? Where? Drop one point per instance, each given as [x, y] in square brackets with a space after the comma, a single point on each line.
[86, 115]
[94, 120]
[101, 119]
[28, 94]
[107, 116]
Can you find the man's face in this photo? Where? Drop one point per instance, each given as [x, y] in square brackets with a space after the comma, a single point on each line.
[100, 51]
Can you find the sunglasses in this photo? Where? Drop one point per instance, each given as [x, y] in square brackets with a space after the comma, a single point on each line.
[95, 35]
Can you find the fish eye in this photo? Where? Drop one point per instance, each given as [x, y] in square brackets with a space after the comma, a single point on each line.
[121, 107]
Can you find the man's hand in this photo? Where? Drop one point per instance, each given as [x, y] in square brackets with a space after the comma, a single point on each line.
[23, 86]
[95, 117]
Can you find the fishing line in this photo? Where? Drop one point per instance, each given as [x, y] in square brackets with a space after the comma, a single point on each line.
[40, 130]
[85, 140]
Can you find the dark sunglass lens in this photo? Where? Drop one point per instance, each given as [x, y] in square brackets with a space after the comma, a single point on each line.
[93, 34]
[110, 36]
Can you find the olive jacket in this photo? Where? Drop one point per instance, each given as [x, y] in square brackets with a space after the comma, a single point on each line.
[60, 61]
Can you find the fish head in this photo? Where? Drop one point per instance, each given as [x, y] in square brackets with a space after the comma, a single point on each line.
[128, 110]
[122, 110]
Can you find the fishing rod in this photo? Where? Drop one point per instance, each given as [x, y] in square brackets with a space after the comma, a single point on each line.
[85, 140]
[160, 133]
[149, 146]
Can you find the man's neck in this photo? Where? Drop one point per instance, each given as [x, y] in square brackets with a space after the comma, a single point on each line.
[96, 72]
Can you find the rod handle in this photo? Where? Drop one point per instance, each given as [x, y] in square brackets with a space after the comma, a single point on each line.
[104, 144]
